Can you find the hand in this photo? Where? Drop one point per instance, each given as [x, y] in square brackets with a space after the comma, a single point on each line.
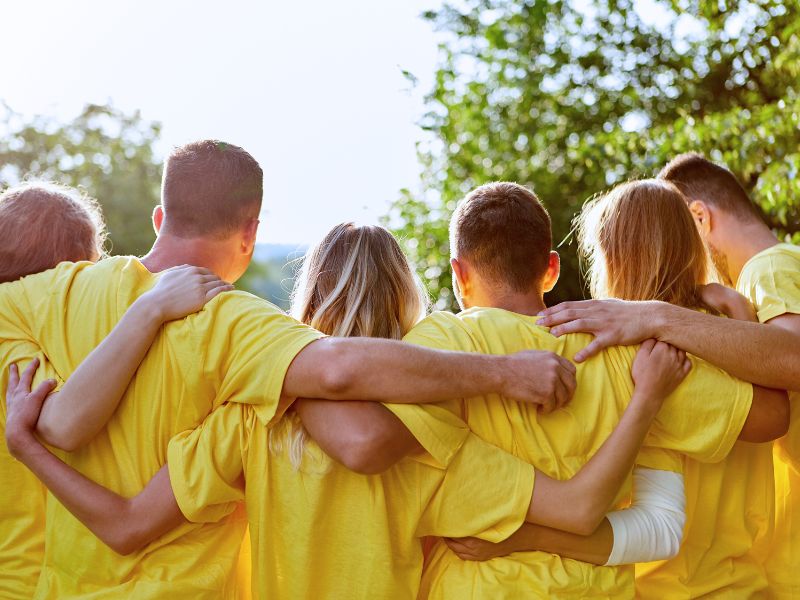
[183, 290]
[657, 370]
[23, 407]
[728, 302]
[539, 377]
[471, 548]
[612, 322]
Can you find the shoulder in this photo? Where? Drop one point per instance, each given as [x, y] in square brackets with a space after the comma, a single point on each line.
[440, 329]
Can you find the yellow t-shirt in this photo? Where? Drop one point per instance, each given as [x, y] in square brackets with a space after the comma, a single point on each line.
[237, 348]
[729, 525]
[771, 280]
[326, 532]
[22, 496]
[560, 443]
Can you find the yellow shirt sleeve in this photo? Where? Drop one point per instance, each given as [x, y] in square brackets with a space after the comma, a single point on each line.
[660, 459]
[704, 416]
[437, 427]
[248, 349]
[14, 311]
[206, 465]
[772, 283]
[486, 493]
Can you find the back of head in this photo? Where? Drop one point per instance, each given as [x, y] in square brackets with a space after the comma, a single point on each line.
[43, 224]
[358, 282]
[641, 243]
[503, 230]
[700, 179]
[210, 189]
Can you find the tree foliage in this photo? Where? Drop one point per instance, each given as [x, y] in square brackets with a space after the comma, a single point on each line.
[104, 151]
[570, 97]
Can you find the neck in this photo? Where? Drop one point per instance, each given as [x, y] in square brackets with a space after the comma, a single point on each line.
[749, 240]
[171, 251]
[530, 303]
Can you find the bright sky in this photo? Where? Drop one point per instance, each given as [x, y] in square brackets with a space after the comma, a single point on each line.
[313, 90]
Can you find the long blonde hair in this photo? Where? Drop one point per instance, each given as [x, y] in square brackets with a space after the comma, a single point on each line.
[640, 243]
[356, 282]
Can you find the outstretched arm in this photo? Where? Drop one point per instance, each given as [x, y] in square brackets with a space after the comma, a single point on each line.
[124, 524]
[394, 371]
[768, 356]
[72, 417]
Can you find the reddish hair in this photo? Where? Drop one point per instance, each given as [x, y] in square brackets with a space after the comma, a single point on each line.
[43, 224]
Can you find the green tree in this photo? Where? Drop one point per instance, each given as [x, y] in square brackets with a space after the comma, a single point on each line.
[104, 151]
[571, 97]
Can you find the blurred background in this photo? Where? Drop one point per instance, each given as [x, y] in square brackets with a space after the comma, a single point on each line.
[391, 111]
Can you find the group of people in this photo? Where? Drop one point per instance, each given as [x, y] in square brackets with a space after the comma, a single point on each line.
[197, 442]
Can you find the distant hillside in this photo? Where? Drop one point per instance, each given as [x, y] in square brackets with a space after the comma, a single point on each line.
[271, 274]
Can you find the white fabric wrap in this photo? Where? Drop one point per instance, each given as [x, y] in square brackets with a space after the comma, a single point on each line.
[652, 527]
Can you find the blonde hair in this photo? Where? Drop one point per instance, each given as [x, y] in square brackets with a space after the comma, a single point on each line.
[640, 243]
[356, 282]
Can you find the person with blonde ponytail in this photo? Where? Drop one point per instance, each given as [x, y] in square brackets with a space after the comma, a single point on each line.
[319, 529]
[640, 243]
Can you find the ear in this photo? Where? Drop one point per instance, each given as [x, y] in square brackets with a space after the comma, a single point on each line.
[249, 234]
[553, 271]
[158, 218]
[701, 215]
[460, 274]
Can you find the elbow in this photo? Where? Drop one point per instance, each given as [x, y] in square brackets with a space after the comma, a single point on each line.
[125, 540]
[783, 418]
[673, 536]
[64, 437]
[366, 454]
[587, 519]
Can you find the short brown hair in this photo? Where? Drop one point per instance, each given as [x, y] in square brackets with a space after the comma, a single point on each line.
[210, 188]
[700, 179]
[503, 229]
[43, 224]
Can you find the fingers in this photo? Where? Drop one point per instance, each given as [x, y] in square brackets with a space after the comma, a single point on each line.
[13, 377]
[462, 547]
[216, 289]
[568, 384]
[552, 400]
[564, 306]
[594, 348]
[27, 375]
[38, 396]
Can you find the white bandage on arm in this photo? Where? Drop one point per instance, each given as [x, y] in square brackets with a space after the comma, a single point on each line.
[652, 527]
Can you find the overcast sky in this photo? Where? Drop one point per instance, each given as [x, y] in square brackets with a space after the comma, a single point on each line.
[313, 89]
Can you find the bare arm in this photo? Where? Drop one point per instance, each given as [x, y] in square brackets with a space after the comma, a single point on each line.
[768, 356]
[73, 416]
[594, 548]
[768, 418]
[393, 371]
[123, 524]
[651, 528]
[366, 437]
